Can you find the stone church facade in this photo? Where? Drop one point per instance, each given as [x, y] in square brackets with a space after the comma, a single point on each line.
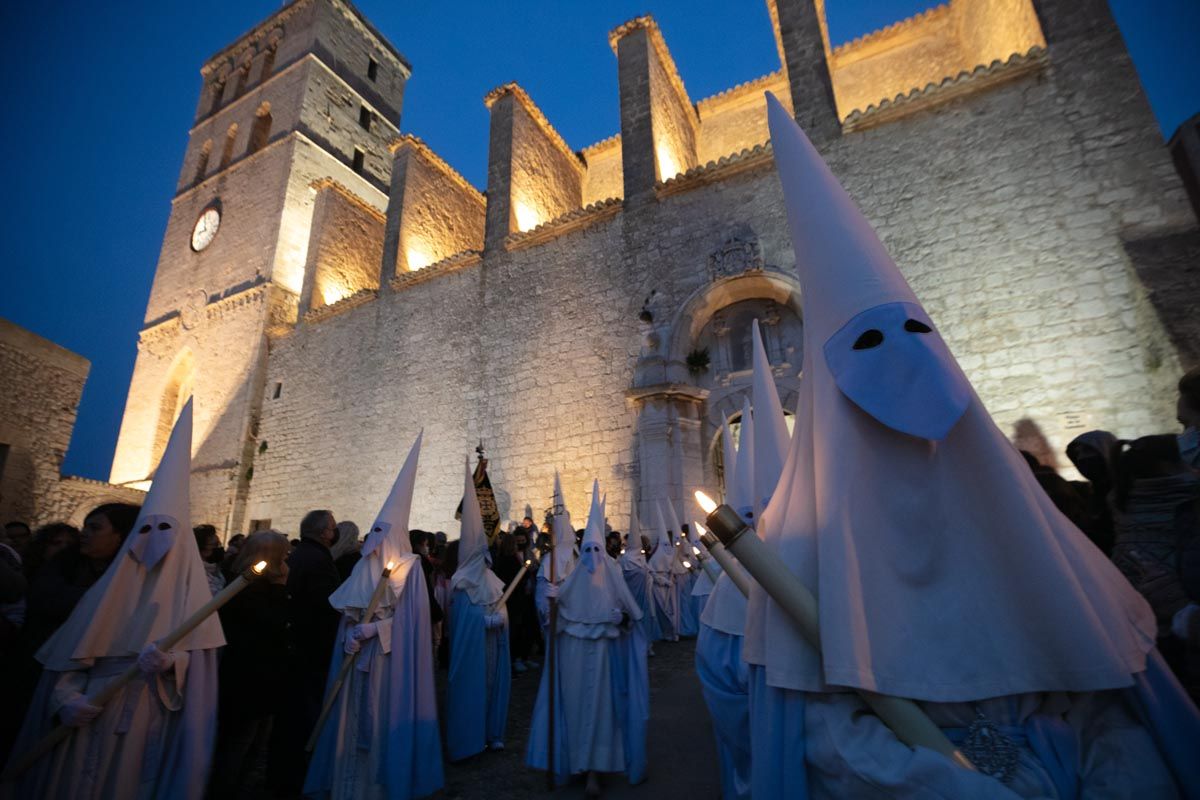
[328, 287]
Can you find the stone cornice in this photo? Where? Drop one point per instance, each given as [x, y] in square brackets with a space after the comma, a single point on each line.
[253, 37]
[327, 183]
[522, 97]
[571, 221]
[321, 313]
[654, 34]
[719, 170]
[602, 145]
[168, 324]
[950, 88]
[467, 258]
[437, 162]
[735, 93]
[903, 26]
[255, 94]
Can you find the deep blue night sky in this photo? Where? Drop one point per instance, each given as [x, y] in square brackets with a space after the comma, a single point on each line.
[98, 104]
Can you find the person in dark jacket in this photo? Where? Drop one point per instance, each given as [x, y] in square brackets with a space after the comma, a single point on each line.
[312, 577]
[54, 590]
[255, 656]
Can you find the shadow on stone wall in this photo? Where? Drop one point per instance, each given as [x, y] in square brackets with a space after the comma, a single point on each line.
[1169, 269]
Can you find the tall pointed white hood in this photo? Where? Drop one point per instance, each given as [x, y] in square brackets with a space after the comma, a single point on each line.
[676, 531]
[743, 488]
[770, 427]
[563, 554]
[386, 542]
[474, 573]
[725, 610]
[944, 572]
[664, 553]
[595, 586]
[633, 558]
[155, 582]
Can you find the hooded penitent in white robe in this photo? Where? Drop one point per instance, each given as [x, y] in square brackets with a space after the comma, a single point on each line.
[155, 738]
[662, 572]
[381, 738]
[944, 574]
[724, 676]
[685, 576]
[637, 576]
[562, 558]
[480, 671]
[602, 700]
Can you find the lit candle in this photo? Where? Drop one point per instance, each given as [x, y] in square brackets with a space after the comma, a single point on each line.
[105, 695]
[903, 716]
[512, 586]
[348, 659]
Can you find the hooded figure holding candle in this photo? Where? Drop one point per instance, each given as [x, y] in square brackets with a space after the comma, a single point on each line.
[662, 572]
[480, 672]
[944, 574]
[155, 737]
[381, 737]
[724, 676]
[603, 693]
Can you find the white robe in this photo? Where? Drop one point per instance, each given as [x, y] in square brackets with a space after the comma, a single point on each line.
[154, 739]
[381, 739]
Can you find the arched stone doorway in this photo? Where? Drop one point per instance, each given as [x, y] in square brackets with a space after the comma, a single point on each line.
[679, 400]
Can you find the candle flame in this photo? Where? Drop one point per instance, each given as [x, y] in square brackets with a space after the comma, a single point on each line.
[695, 550]
[700, 529]
[705, 502]
[259, 568]
[528, 561]
[687, 564]
[391, 565]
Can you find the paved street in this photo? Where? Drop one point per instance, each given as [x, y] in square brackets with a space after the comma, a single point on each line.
[683, 758]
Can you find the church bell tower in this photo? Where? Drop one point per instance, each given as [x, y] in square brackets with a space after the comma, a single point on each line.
[314, 92]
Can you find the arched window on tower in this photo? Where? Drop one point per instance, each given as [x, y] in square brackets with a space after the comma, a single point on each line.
[202, 161]
[268, 63]
[261, 132]
[227, 153]
[243, 77]
[175, 395]
[218, 89]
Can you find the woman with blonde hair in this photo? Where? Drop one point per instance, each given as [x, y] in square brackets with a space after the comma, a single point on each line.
[255, 623]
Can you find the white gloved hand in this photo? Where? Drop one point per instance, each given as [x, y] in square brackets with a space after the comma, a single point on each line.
[152, 661]
[617, 616]
[365, 631]
[1186, 622]
[551, 589]
[78, 712]
[351, 645]
[493, 621]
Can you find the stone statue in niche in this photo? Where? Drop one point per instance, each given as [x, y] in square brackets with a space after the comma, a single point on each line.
[735, 257]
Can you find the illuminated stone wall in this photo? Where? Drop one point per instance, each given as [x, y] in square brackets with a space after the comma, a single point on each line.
[42, 385]
[1031, 204]
[345, 249]
[432, 214]
[309, 66]
[603, 178]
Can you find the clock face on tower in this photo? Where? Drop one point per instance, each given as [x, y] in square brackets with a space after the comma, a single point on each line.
[206, 228]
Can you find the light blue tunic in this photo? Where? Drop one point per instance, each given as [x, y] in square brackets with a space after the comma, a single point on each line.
[639, 583]
[725, 683]
[602, 703]
[689, 617]
[480, 680]
[1138, 742]
[382, 738]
